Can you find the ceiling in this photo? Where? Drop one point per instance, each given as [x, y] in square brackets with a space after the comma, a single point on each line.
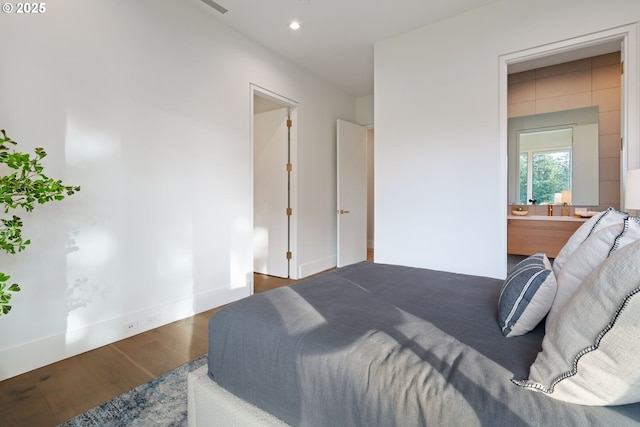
[336, 39]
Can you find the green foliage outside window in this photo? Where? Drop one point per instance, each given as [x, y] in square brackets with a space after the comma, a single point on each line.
[551, 173]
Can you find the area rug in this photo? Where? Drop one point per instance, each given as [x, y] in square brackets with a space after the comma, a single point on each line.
[160, 402]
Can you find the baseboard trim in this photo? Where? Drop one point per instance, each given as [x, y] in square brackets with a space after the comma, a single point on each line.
[317, 266]
[35, 354]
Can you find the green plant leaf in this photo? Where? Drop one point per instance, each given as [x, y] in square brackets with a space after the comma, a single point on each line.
[21, 189]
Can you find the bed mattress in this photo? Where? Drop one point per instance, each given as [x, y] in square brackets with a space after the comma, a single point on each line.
[384, 345]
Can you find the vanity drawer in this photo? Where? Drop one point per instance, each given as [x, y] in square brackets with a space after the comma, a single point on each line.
[530, 236]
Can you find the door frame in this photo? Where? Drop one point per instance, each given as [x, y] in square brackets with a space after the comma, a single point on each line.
[292, 105]
[630, 121]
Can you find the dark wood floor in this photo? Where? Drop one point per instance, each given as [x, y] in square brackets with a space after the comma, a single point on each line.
[52, 394]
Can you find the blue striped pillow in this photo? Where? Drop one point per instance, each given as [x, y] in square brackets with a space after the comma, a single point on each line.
[526, 296]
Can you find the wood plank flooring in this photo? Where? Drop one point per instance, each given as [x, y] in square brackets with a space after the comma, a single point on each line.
[52, 394]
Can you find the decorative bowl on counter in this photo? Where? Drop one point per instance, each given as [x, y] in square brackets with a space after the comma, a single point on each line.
[519, 213]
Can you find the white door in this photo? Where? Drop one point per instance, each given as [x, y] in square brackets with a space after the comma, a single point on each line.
[352, 193]
[270, 186]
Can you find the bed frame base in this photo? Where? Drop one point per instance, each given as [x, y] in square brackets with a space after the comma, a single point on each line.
[211, 405]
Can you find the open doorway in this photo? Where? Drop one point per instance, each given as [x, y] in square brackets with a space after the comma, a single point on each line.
[274, 136]
[621, 40]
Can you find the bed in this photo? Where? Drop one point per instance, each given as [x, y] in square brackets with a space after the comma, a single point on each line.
[386, 345]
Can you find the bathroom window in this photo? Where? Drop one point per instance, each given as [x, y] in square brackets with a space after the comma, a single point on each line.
[545, 167]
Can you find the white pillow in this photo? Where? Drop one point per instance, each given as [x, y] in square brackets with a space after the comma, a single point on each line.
[597, 222]
[590, 356]
[594, 250]
[583, 261]
[526, 296]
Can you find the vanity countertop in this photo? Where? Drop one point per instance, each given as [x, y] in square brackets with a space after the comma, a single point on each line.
[531, 234]
[547, 218]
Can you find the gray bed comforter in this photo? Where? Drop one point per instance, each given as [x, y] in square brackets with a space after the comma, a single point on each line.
[381, 345]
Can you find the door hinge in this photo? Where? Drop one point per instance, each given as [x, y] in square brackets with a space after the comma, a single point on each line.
[289, 167]
[289, 123]
[289, 211]
[289, 255]
[622, 68]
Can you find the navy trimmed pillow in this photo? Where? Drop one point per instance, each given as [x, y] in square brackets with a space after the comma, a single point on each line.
[590, 354]
[611, 216]
[526, 296]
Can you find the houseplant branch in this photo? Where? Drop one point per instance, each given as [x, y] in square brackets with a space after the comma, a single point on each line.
[22, 187]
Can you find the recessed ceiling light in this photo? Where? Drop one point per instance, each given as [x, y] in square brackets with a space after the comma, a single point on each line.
[295, 25]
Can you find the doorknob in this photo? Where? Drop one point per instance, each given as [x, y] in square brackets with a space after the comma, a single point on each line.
[342, 211]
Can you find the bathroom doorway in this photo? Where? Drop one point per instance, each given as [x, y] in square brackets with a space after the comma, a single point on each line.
[621, 40]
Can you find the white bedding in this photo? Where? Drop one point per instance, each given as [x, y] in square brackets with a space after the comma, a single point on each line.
[211, 405]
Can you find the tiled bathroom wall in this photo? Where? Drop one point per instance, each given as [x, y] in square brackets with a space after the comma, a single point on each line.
[577, 84]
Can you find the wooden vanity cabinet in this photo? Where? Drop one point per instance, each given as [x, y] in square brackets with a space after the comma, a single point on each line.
[527, 235]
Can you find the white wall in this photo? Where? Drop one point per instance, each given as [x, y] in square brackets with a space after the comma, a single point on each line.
[365, 112]
[146, 105]
[270, 192]
[440, 167]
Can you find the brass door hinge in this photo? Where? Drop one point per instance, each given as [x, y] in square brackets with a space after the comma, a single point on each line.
[289, 211]
[289, 255]
[289, 167]
[289, 123]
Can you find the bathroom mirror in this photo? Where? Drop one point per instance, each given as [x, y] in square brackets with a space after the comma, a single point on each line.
[552, 153]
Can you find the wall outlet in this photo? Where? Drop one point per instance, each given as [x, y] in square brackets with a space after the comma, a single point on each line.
[152, 320]
[131, 326]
